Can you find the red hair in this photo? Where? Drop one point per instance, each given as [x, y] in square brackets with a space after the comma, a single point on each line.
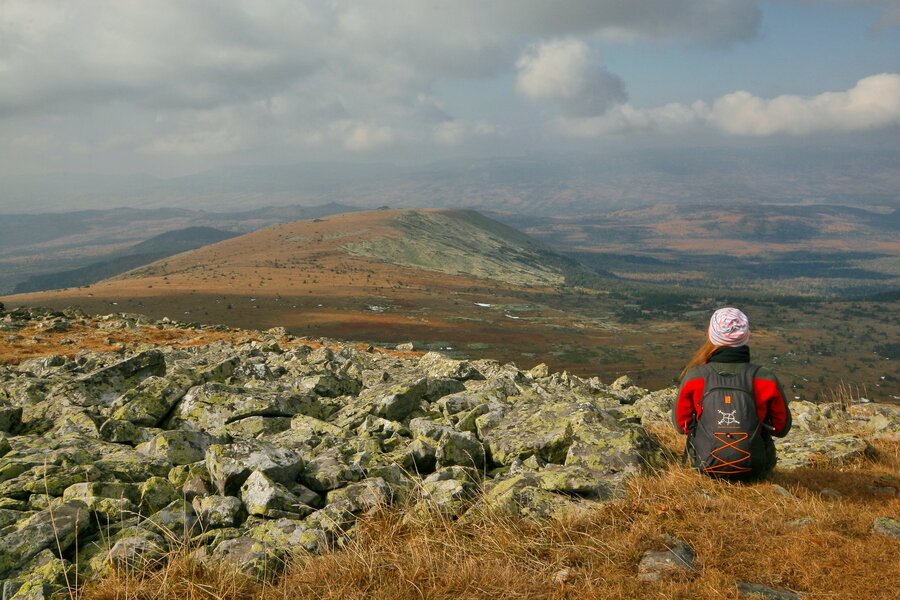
[701, 357]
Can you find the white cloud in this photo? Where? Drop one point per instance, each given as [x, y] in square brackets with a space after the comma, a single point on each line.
[568, 75]
[873, 103]
[228, 75]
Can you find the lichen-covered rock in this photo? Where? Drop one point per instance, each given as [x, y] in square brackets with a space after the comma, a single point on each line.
[808, 416]
[249, 556]
[212, 406]
[456, 448]
[521, 495]
[801, 449]
[289, 535]
[133, 548]
[331, 385]
[179, 447]
[176, 521]
[615, 446]
[10, 417]
[156, 493]
[216, 511]
[103, 386]
[57, 528]
[330, 471]
[257, 426]
[436, 364]
[43, 577]
[266, 498]
[888, 526]
[654, 408]
[231, 464]
[147, 403]
[366, 496]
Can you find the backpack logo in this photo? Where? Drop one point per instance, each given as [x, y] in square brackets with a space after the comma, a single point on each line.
[728, 418]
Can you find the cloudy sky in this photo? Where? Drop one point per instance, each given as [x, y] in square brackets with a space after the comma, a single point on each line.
[171, 88]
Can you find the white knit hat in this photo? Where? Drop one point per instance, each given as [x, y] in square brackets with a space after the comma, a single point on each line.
[729, 327]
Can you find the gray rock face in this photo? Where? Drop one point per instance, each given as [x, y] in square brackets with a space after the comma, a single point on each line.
[231, 464]
[57, 528]
[675, 562]
[888, 526]
[256, 451]
[800, 449]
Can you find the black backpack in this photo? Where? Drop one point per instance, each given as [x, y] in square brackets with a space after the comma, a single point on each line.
[727, 440]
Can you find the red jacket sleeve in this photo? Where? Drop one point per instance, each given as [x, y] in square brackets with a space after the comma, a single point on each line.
[771, 406]
[687, 406]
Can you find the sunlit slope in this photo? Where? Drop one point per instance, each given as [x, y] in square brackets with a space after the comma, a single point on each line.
[383, 275]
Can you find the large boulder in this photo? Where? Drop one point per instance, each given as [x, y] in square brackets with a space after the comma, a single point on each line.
[803, 449]
[56, 528]
[103, 386]
[212, 406]
[231, 464]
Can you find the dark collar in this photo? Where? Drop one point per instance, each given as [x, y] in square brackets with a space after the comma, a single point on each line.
[731, 354]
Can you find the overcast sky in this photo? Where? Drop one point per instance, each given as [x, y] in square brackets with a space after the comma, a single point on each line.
[171, 88]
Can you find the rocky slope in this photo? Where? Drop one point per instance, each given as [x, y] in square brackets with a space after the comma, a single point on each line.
[253, 451]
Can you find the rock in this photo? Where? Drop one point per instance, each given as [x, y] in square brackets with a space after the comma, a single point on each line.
[539, 371]
[888, 526]
[124, 432]
[289, 535]
[676, 562]
[103, 386]
[330, 471]
[656, 407]
[10, 417]
[45, 576]
[156, 493]
[331, 385]
[456, 448]
[179, 447]
[231, 464]
[800, 449]
[436, 365]
[782, 491]
[265, 498]
[521, 495]
[399, 401]
[249, 556]
[366, 496]
[57, 529]
[763, 592]
[212, 406]
[135, 548]
[216, 512]
[146, 404]
[174, 521]
[253, 427]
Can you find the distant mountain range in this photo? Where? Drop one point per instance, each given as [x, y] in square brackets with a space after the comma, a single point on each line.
[550, 185]
[142, 253]
[35, 249]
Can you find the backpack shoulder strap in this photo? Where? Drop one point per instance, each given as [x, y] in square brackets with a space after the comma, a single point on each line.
[741, 380]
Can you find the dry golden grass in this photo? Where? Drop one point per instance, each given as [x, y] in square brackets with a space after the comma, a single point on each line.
[739, 532]
[34, 342]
